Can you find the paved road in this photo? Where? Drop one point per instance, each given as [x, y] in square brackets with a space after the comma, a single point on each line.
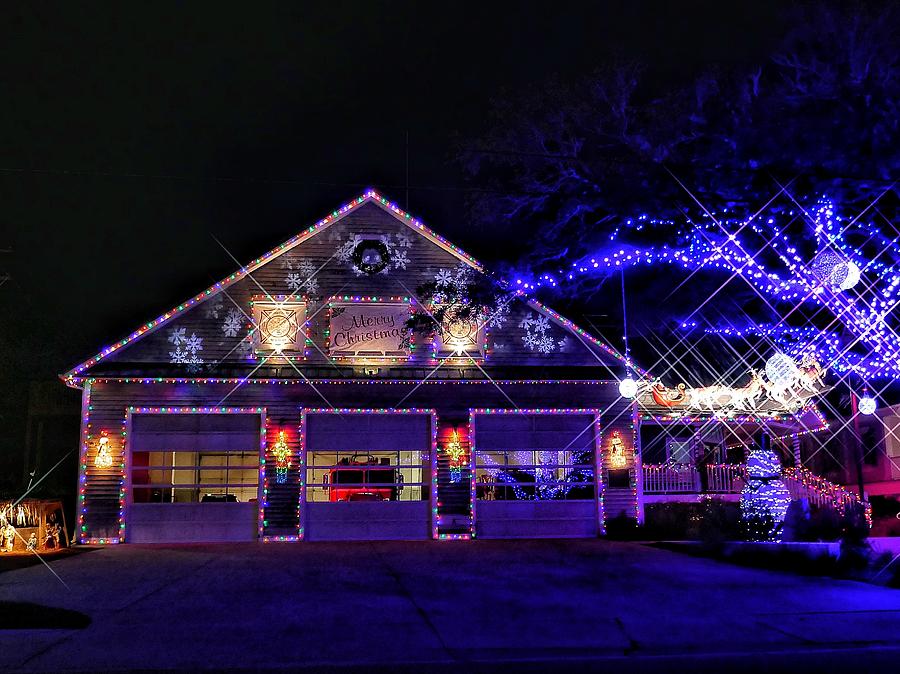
[443, 606]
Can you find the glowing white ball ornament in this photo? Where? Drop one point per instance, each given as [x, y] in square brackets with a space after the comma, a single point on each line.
[866, 405]
[852, 277]
[628, 388]
[781, 369]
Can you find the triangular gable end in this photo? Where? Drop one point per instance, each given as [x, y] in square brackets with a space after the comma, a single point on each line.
[584, 336]
[370, 196]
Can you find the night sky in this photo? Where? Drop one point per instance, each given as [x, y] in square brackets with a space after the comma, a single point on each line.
[130, 140]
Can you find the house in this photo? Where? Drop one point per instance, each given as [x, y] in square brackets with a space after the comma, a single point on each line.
[871, 459]
[367, 379]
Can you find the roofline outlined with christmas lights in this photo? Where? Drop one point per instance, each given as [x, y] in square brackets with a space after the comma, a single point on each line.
[369, 196]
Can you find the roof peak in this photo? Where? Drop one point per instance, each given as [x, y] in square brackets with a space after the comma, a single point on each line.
[370, 195]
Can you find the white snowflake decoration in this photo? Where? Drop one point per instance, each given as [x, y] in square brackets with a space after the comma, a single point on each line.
[176, 336]
[293, 281]
[194, 343]
[345, 251]
[546, 344]
[498, 315]
[537, 335]
[302, 276]
[178, 356]
[213, 308]
[232, 323]
[306, 267]
[403, 241]
[444, 278]
[311, 286]
[186, 348]
[400, 259]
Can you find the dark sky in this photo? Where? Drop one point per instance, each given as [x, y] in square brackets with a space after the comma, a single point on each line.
[128, 139]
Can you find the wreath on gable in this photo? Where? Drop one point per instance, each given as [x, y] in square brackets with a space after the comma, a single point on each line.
[371, 256]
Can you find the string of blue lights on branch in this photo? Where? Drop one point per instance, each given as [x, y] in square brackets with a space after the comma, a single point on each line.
[818, 259]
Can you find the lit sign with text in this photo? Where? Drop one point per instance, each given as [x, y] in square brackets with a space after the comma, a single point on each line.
[368, 329]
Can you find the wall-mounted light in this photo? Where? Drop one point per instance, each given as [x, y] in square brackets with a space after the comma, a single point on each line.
[617, 458]
[866, 404]
[104, 459]
[282, 453]
[628, 388]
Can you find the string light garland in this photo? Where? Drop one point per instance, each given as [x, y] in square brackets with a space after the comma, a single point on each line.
[838, 497]
[370, 196]
[828, 280]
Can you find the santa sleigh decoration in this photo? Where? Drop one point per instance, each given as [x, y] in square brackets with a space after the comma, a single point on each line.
[788, 392]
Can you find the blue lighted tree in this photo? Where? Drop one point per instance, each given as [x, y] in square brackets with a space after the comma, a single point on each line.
[741, 173]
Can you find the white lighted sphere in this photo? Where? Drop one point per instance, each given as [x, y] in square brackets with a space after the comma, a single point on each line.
[866, 405]
[852, 277]
[628, 388]
[781, 369]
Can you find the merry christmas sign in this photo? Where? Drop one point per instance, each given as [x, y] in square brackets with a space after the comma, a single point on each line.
[368, 329]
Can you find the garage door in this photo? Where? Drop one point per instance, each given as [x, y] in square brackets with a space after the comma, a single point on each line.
[535, 476]
[367, 476]
[194, 477]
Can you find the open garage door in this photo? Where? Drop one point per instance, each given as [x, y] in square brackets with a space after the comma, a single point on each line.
[194, 477]
[535, 475]
[368, 476]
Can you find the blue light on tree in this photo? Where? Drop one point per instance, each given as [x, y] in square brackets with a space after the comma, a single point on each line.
[819, 267]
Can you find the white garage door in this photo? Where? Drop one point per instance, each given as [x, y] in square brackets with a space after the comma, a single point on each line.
[535, 476]
[194, 477]
[368, 476]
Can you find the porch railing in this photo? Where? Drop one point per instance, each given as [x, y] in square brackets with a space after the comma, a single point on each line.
[822, 493]
[725, 478]
[728, 478]
[685, 478]
[670, 478]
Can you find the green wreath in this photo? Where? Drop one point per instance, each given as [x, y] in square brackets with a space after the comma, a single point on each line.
[364, 255]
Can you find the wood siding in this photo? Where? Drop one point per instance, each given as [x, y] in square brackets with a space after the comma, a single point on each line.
[335, 278]
[108, 402]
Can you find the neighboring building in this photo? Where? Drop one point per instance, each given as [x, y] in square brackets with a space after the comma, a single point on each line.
[291, 400]
[839, 456]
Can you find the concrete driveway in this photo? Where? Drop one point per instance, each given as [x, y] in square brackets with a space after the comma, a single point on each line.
[442, 606]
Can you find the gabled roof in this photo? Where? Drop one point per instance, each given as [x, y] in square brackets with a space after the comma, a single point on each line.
[370, 196]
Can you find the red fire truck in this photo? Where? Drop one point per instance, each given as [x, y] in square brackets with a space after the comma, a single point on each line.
[360, 478]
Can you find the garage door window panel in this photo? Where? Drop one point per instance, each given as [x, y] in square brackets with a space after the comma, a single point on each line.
[367, 457]
[195, 458]
[535, 457]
